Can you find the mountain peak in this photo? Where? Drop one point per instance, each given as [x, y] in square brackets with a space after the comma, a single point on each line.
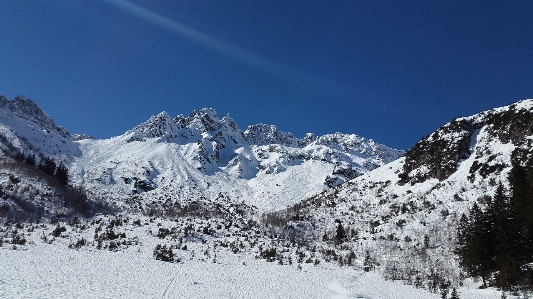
[229, 122]
[24, 108]
[160, 125]
[212, 113]
[261, 134]
[163, 115]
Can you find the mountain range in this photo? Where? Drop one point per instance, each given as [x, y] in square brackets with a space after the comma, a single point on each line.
[198, 156]
[346, 195]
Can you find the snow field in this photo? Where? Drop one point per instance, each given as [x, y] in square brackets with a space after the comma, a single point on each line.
[42, 270]
[50, 271]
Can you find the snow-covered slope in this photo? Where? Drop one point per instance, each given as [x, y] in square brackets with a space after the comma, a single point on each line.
[451, 168]
[55, 263]
[194, 158]
[203, 156]
[195, 178]
[408, 210]
[24, 127]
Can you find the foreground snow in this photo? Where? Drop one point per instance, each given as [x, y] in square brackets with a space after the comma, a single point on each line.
[52, 271]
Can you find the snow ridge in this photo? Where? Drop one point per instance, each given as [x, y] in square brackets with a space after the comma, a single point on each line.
[203, 155]
[28, 129]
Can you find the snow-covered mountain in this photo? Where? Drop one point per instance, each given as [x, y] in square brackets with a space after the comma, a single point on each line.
[198, 157]
[409, 210]
[27, 128]
[199, 180]
[203, 156]
[457, 164]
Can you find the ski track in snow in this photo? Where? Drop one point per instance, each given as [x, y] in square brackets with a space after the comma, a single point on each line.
[46, 272]
[50, 271]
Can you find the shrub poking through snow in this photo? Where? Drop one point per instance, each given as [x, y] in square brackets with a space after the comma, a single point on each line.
[268, 254]
[18, 240]
[80, 243]
[58, 230]
[162, 253]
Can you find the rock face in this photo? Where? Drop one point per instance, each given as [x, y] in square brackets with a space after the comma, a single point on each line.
[78, 137]
[262, 134]
[219, 143]
[25, 109]
[438, 155]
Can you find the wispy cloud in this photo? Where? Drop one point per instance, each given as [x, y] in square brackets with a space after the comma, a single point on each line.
[239, 54]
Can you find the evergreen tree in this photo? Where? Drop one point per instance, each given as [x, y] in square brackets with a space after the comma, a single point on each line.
[521, 208]
[30, 160]
[462, 232]
[476, 256]
[340, 236]
[444, 289]
[454, 294]
[499, 242]
[462, 235]
[367, 263]
[505, 238]
[48, 166]
[61, 174]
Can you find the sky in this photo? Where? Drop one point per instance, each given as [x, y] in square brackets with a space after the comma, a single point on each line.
[392, 71]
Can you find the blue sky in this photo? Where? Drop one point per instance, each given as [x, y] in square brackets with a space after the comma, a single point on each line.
[392, 71]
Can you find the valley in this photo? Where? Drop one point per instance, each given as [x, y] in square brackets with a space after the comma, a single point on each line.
[339, 215]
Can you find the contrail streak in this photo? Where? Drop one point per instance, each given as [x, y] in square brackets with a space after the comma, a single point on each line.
[230, 50]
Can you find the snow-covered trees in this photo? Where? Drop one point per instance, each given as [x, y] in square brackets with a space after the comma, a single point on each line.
[163, 253]
[340, 235]
[454, 294]
[47, 165]
[61, 174]
[492, 244]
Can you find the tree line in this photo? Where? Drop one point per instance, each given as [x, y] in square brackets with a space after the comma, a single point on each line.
[496, 244]
[46, 165]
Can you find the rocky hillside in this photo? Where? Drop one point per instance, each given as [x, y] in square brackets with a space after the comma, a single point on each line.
[406, 214]
[169, 160]
[24, 127]
[203, 156]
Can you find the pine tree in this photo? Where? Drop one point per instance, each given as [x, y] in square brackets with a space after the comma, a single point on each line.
[426, 241]
[499, 241]
[454, 294]
[30, 160]
[506, 239]
[521, 209]
[367, 263]
[47, 165]
[476, 256]
[462, 234]
[340, 236]
[61, 174]
[444, 289]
